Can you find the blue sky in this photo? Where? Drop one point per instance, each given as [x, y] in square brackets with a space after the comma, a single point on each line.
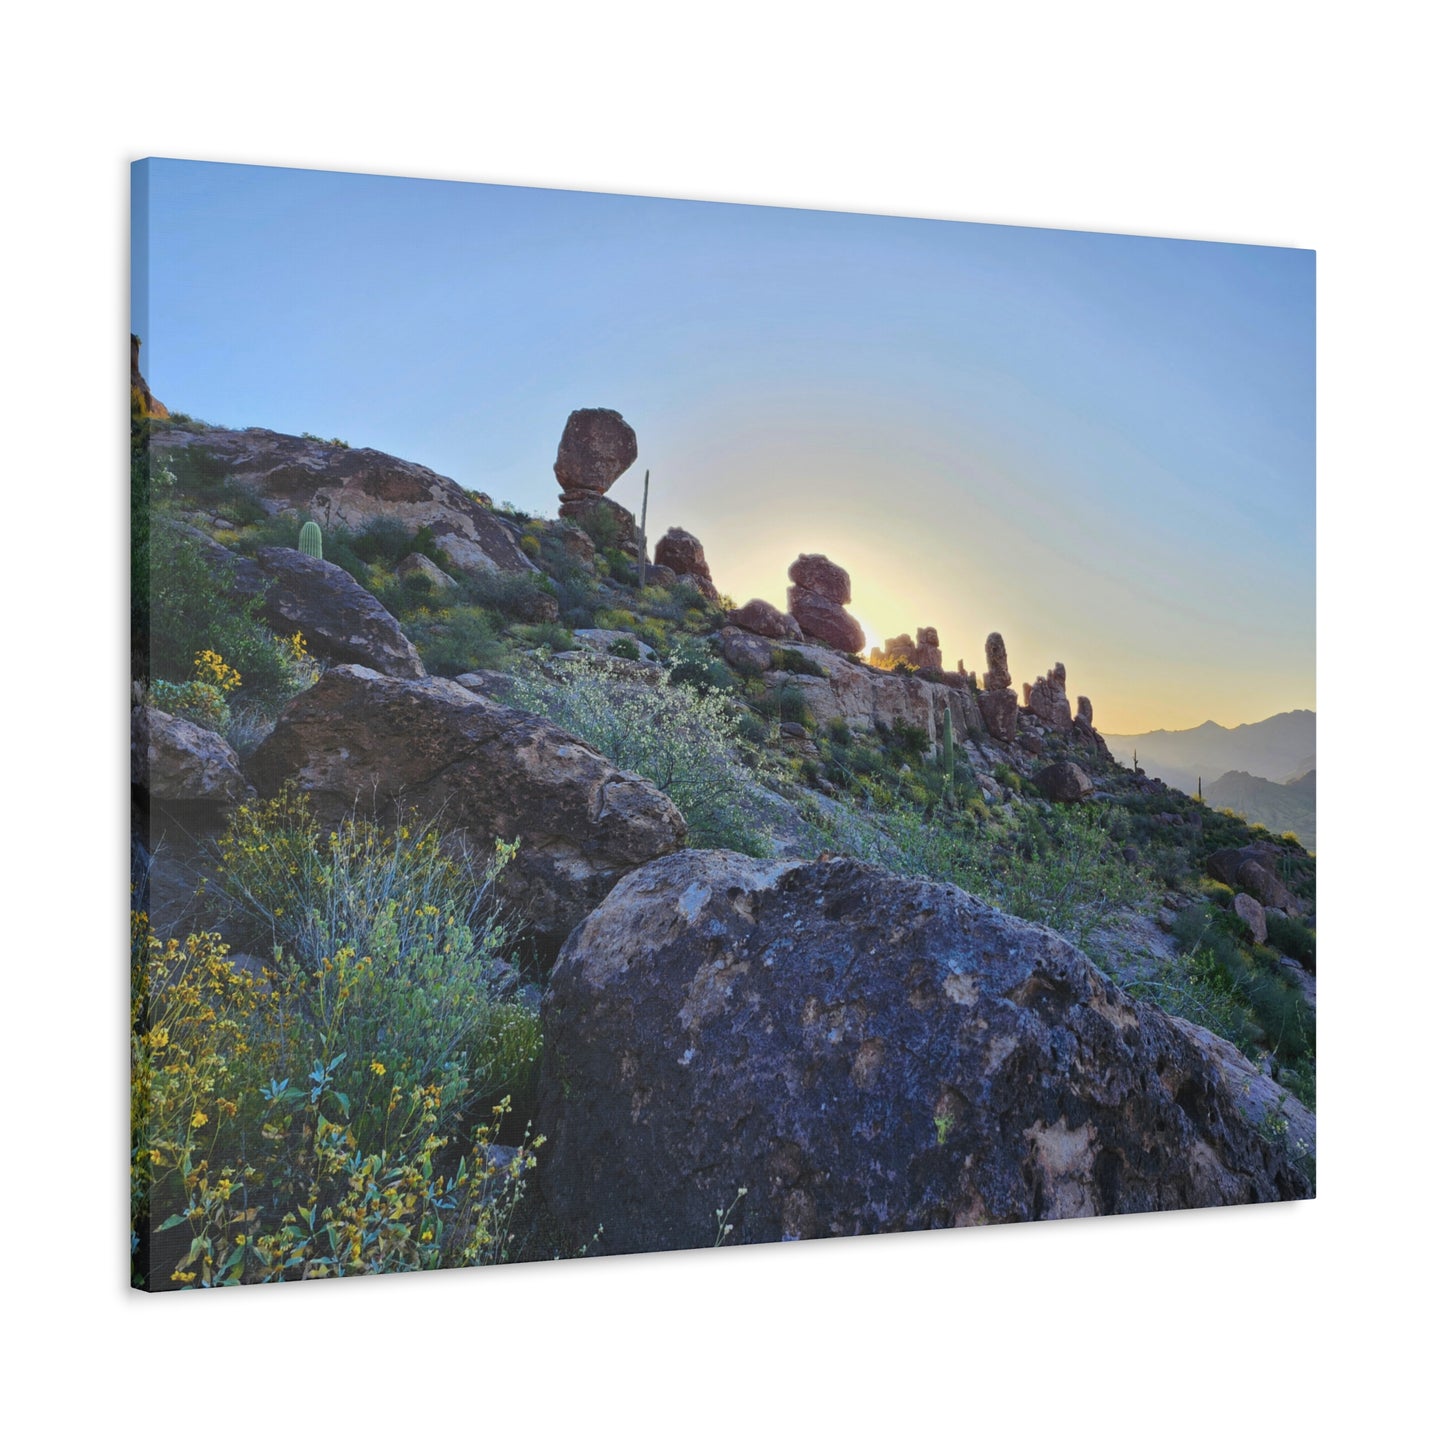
[1102, 446]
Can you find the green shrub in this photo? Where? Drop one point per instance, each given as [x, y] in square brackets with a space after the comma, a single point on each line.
[458, 639]
[788, 659]
[687, 741]
[550, 635]
[1294, 938]
[625, 647]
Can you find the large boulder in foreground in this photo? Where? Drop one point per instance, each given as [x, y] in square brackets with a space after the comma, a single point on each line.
[481, 769]
[348, 487]
[863, 1053]
[340, 620]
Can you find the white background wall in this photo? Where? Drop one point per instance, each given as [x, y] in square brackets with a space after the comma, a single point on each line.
[1262, 122]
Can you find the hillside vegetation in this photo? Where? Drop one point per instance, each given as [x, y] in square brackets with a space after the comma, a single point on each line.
[390, 801]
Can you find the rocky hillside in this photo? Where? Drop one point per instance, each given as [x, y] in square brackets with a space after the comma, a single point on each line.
[768, 940]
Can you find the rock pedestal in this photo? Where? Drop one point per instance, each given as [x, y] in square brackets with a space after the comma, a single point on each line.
[998, 702]
[1050, 702]
[597, 446]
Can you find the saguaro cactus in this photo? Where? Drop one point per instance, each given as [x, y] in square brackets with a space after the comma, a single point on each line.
[310, 540]
[948, 750]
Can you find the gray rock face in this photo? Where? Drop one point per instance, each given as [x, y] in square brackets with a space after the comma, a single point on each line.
[482, 769]
[862, 1053]
[350, 487]
[340, 620]
[597, 446]
[176, 761]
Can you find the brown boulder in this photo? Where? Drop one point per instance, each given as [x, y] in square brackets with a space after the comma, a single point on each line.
[825, 621]
[928, 653]
[1254, 870]
[815, 573]
[1000, 710]
[745, 652]
[482, 770]
[340, 620]
[862, 1054]
[1084, 712]
[1064, 783]
[765, 620]
[597, 446]
[683, 553]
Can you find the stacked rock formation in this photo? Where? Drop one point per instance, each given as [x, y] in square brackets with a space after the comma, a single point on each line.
[930, 654]
[1048, 700]
[597, 446]
[817, 597]
[921, 651]
[998, 702]
[682, 553]
[764, 620]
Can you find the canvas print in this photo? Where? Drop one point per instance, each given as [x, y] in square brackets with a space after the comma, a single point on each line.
[663, 725]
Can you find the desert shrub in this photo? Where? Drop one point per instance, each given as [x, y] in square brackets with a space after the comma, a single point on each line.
[531, 546]
[193, 608]
[685, 740]
[550, 635]
[296, 1119]
[625, 647]
[1216, 892]
[602, 525]
[839, 732]
[453, 640]
[788, 659]
[247, 1158]
[202, 698]
[1294, 938]
[695, 665]
[521, 596]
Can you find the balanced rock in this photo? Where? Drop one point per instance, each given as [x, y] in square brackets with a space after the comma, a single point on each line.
[597, 446]
[1064, 783]
[340, 620]
[1049, 701]
[861, 1053]
[481, 770]
[683, 553]
[766, 620]
[816, 599]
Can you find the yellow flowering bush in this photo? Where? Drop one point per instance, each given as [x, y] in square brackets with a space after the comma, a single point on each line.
[311, 1115]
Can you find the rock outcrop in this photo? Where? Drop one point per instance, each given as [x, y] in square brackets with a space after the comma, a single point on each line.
[745, 652]
[862, 1053]
[1254, 870]
[1049, 702]
[340, 620]
[921, 652]
[1064, 782]
[763, 619]
[482, 770]
[998, 703]
[819, 593]
[349, 487]
[1251, 912]
[683, 553]
[142, 403]
[867, 699]
[597, 446]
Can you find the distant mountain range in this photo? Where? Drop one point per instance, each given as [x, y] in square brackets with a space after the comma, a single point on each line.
[1264, 770]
